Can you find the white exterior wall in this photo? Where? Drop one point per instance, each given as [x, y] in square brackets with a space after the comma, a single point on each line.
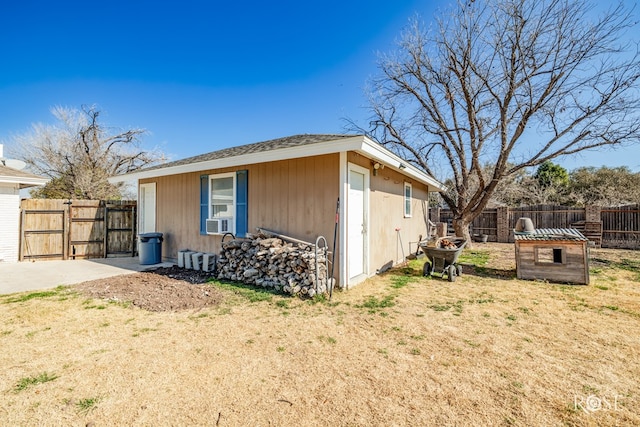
[9, 222]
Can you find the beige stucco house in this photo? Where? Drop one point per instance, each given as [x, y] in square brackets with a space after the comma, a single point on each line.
[292, 186]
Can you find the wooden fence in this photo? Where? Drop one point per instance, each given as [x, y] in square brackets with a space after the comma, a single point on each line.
[615, 227]
[547, 216]
[621, 227]
[486, 223]
[77, 229]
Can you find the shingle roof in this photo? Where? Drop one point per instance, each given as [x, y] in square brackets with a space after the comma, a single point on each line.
[258, 147]
[291, 147]
[545, 234]
[15, 173]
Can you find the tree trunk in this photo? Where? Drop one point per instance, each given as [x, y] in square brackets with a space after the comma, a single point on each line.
[461, 228]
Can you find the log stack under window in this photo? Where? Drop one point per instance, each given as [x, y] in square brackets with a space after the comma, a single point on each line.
[271, 262]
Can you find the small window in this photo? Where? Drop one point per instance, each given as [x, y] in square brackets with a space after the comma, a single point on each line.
[546, 255]
[222, 204]
[407, 199]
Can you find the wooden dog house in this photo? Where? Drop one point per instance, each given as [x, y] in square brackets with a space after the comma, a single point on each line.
[556, 255]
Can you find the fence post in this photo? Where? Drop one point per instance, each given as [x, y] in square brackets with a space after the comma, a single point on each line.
[23, 214]
[105, 238]
[593, 213]
[442, 229]
[434, 214]
[502, 232]
[66, 229]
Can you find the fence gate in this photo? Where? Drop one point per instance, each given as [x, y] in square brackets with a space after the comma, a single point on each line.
[77, 229]
[42, 231]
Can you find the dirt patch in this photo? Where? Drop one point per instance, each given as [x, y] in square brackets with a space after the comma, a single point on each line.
[162, 289]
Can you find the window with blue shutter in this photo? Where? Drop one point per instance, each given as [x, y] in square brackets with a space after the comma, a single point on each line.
[242, 198]
[226, 210]
[204, 203]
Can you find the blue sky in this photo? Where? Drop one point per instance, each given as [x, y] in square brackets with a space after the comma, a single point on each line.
[203, 75]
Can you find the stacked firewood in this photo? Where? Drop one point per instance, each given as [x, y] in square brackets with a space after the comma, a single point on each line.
[271, 262]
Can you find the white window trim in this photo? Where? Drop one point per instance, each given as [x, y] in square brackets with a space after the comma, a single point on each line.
[218, 176]
[404, 199]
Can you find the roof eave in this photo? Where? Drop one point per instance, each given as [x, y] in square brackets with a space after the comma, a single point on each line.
[377, 152]
[359, 143]
[23, 182]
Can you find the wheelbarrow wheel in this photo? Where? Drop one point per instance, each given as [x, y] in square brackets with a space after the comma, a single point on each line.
[426, 269]
[458, 269]
[451, 271]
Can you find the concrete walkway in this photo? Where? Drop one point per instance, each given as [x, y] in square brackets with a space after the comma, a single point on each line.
[30, 276]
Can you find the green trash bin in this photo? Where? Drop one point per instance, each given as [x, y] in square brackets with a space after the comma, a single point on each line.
[150, 249]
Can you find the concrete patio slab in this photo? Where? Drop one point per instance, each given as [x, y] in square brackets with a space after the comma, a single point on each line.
[30, 276]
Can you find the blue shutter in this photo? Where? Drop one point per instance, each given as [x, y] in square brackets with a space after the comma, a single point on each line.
[242, 199]
[204, 203]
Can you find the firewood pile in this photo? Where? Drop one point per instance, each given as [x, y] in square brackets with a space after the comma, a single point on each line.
[271, 262]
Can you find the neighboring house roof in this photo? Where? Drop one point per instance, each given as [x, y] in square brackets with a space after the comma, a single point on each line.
[23, 179]
[290, 147]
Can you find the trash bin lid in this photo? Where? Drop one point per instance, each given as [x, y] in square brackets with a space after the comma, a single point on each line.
[146, 237]
[150, 235]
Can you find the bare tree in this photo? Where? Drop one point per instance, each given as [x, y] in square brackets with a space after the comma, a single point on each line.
[509, 191]
[513, 83]
[79, 154]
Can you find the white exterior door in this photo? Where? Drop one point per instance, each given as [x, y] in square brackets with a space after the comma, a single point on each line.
[147, 208]
[357, 222]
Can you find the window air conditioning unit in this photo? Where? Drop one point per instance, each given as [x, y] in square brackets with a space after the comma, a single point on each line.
[219, 225]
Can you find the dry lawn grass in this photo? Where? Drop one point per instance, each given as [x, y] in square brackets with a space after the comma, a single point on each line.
[397, 350]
